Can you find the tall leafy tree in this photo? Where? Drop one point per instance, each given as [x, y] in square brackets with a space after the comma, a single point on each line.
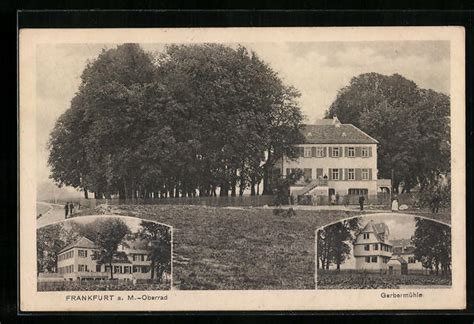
[334, 242]
[159, 248]
[432, 241]
[110, 234]
[417, 147]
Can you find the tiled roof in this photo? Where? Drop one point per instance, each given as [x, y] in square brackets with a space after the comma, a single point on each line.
[82, 242]
[399, 259]
[329, 131]
[379, 229]
[402, 246]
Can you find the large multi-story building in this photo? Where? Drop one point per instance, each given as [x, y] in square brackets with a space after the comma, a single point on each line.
[76, 261]
[335, 159]
[372, 249]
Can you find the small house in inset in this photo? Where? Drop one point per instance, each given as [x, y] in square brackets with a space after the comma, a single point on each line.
[397, 265]
[372, 249]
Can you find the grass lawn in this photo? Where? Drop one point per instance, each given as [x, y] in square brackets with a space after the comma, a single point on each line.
[237, 248]
[333, 279]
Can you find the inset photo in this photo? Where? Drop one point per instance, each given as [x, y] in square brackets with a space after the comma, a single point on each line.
[104, 253]
[383, 251]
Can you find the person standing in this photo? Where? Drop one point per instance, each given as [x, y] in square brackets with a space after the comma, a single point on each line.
[333, 199]
[395, 205]
[71, 208]
[361, 202]
[436, 201]
[66, 210]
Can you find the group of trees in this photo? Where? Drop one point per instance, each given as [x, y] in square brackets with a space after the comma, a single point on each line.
[107, 234]
[432, 241]
[411, 124]
[334, 243]
[186, 122]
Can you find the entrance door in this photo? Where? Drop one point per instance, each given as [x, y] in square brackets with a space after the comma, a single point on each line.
[331, 192]
[404, 269]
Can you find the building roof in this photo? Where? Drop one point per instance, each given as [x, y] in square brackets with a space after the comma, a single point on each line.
[399, 259]
[402, 246]
[331, 131]
[380, 230]
[82, 242]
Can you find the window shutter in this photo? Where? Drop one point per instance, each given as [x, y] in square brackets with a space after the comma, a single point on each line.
[330, 151]
[319, 172]
[325, 152]
[341, 151]
[358, 151]
[301, 149]
[313, 151]
[370, 151]
[370, 174]
[346, 176]
[341, 175]
[358, 174]
[330, 174]
[346, 150]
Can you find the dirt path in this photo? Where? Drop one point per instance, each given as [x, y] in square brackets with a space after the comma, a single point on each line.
[54, 214]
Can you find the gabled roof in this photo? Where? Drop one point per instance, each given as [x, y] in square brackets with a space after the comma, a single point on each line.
[82, 242]
[380, 230]
[331, 131]
[402, 246]
[399, 259]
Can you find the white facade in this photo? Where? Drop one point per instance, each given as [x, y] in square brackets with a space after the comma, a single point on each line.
[340, 155]
[77, 263]
[372, 250]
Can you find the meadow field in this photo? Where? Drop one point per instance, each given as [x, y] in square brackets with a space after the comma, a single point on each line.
[353, 279]
[237, 248]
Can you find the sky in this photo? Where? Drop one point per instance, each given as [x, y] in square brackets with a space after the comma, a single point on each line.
[317, 69]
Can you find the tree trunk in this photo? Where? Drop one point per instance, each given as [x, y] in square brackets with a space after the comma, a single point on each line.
[152, 269]
[86, 194]
[111, 271]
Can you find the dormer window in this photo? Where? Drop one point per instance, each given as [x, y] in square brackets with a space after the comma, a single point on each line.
[366, 236]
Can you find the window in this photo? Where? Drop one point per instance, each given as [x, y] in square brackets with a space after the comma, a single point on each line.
[367, 247]
[82, 253]
[365, 152]
[117, 269]
[335, 174]
[358, 192]
[376, 246]
[335, 151]
[367, 259]
[126, 269]
[307, 174]
[307, 152]
[411, 259]
[351, 152]
[374, 259]
[366, 236]
[319, 151]
[82, 267]
[350, 174]
[365, 174]
[98, 268]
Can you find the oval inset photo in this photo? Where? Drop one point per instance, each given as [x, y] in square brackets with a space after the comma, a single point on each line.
[104, 253]
[383, 251]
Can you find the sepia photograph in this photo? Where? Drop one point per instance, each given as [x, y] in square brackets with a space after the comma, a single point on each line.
[273, 163]
[104, 253]
[384, 251]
